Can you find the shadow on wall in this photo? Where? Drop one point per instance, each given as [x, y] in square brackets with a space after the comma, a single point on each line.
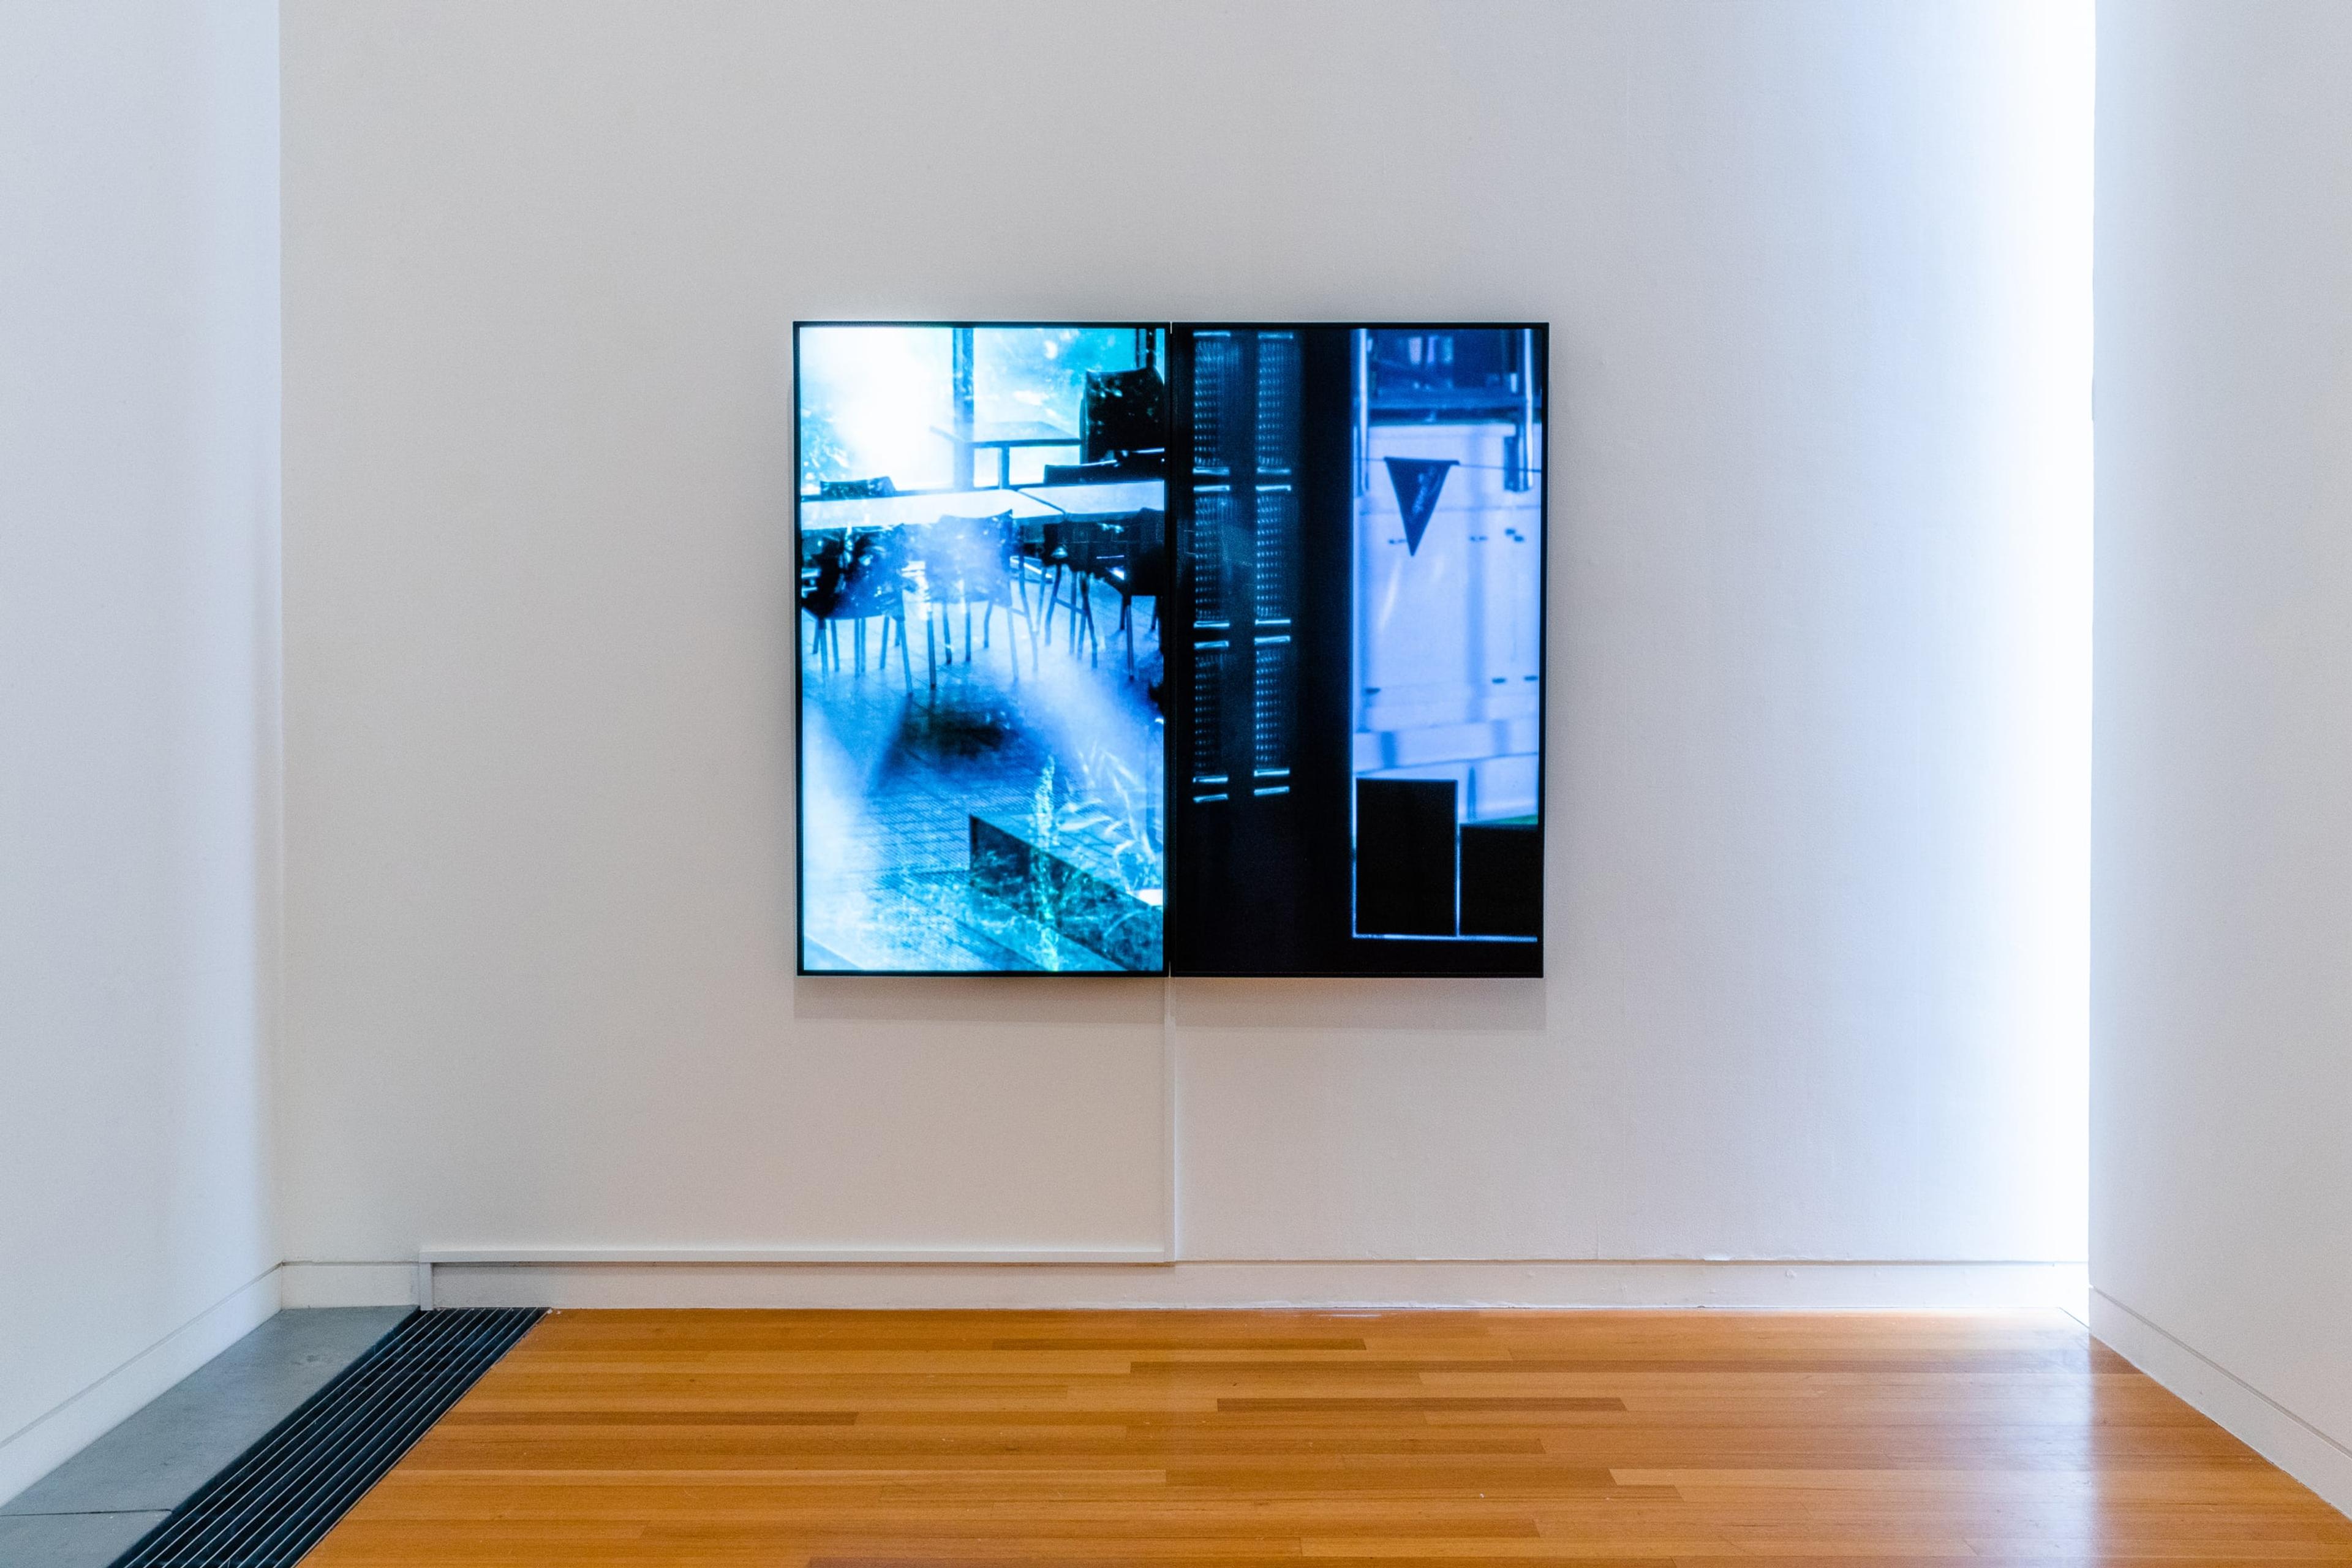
[1108, 999]
[1437, 1006]
[1501, 1007]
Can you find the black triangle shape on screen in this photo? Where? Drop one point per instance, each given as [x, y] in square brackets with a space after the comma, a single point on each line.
[1417, 481]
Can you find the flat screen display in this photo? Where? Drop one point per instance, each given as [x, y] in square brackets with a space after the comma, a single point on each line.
[1357, 656]
[1333, 764]
[981, 554]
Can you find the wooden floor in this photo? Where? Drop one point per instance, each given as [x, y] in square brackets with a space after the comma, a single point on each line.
[859, 1440]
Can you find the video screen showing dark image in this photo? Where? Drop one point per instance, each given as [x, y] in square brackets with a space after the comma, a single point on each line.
[1359, 649]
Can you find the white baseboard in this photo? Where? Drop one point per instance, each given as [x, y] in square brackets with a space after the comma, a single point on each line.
[1125, 1255]
[52, 1438]
[2311, 1457]
[685, 1280]
[348, 1284]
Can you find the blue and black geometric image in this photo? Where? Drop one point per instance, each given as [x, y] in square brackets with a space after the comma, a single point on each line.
[1448, 623]
[1170, 648]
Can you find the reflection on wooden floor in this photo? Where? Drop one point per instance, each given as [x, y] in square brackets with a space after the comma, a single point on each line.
[869, 1439]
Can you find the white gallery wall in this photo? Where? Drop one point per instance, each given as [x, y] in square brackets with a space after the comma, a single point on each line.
[2221, 1189]
[138, 702]
[1818, 281]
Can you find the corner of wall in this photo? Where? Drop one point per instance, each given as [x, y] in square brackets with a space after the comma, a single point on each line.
[2311, 1456]
[55, 1435]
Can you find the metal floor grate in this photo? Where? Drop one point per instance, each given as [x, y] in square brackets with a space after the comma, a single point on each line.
[272, 1506]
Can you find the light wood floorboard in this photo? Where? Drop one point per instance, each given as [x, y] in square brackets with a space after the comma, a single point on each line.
[879, 1439]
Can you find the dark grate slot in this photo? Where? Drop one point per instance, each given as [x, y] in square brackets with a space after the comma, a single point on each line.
[1278, 533]
[1271, 709]
[1213, 514]
[272, 1506]
[1277, 401]
[1216, 365]
[1208, 714]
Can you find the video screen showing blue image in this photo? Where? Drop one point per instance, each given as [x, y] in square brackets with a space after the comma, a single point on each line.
[1447, 632]
[982, 559]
